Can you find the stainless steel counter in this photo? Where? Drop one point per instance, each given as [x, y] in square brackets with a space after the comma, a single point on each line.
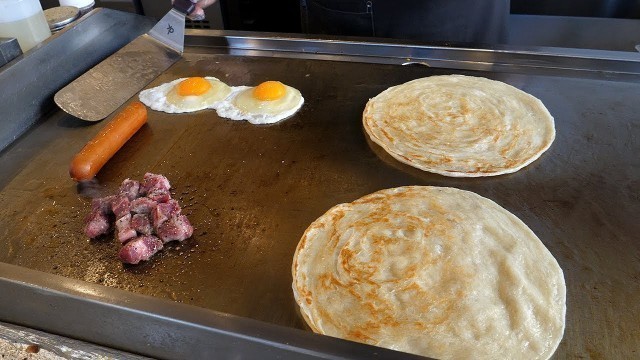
[252, 190]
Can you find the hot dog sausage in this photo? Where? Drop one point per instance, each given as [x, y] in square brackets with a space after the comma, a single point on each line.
[86, 164]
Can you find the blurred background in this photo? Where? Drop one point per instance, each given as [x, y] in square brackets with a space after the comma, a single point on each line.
[594, 24]
[284, 15]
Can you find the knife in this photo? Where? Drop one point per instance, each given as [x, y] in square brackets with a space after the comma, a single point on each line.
[104, 88]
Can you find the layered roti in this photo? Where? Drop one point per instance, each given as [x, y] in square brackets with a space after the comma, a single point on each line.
[433, 271]
[461, 126]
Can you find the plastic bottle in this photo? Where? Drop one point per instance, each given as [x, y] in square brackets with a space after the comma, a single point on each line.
[25, 21]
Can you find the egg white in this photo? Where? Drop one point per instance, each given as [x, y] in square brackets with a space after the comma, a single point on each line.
[241, 105]
[165, 97]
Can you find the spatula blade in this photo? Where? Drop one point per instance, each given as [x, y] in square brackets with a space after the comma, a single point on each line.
[100, 91]
[170, 30]
[104, 88]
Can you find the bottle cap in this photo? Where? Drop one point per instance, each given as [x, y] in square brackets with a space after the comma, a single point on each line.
[61, 16]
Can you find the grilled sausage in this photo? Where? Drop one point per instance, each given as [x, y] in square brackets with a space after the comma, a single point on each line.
[86, 164]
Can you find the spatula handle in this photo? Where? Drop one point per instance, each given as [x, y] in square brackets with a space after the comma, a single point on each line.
[184, 6]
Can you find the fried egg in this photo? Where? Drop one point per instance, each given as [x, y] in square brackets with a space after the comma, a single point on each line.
[186, 95]
[266, 103]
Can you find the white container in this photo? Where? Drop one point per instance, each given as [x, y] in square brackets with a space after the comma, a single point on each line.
[84, 5]
[25, 21]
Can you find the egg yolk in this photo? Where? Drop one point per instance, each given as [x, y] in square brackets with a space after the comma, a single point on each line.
[193, 86]
[269, 90]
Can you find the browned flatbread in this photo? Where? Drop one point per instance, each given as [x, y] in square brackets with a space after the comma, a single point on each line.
[433, 271]
[460, 126]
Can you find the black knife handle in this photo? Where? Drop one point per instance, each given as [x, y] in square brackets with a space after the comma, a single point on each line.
[184, 6]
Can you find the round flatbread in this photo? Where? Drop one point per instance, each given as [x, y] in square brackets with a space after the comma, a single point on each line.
[433, 271]
[461, 126]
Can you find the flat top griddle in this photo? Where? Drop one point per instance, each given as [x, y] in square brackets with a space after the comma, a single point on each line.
[251, 191]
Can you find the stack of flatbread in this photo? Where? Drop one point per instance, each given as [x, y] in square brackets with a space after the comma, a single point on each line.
[433, 271]
[458, 125]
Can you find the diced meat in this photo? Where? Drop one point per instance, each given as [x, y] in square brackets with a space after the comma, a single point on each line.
[177, 228]
[140, 249]
[103, 204]
[152, 182]
[96, 224]
[125, 230]
[165, 211]
[126, 235]
[130, 188]
[141, 223]
[159, 195]
[142, 205]
[147, 217]
[121, 206]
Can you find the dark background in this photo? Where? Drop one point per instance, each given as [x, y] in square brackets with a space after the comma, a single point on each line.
[284, 15]
[623, 9]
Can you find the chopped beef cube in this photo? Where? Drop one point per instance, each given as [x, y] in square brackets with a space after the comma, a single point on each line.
[143, 205]
[177, 228]
[147, 217]
[140, 249]
[121, 206]
[160, 196]
[96, 224]
[165, 211]
[130, 188]
[142, 224]
[152, 182]
[103, 204]
[125, 230]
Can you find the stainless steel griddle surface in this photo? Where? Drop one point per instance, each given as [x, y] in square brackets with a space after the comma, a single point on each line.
[251, 191]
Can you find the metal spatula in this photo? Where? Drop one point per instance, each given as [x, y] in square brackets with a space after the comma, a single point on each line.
[101, 90]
